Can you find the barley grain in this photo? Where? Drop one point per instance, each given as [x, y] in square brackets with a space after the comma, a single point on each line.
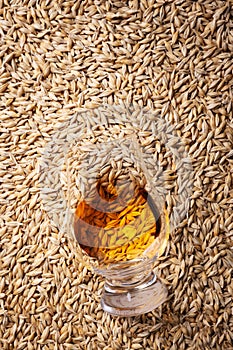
[57, 59]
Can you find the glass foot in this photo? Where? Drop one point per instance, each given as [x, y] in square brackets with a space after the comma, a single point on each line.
[133, 300]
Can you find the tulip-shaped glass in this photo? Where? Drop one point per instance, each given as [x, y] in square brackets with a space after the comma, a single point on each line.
[119, 221]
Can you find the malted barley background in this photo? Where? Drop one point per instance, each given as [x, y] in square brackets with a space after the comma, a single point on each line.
[175, 57]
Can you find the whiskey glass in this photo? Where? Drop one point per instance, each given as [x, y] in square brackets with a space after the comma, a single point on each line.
[99, 189]
[120, 223]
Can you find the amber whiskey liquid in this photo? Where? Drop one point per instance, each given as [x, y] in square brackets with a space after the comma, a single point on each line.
[113, 227]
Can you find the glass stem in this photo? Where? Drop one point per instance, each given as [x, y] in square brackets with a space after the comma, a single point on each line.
[131, 299]
[114, 285]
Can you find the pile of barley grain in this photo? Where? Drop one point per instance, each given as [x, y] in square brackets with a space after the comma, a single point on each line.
[174, 57]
